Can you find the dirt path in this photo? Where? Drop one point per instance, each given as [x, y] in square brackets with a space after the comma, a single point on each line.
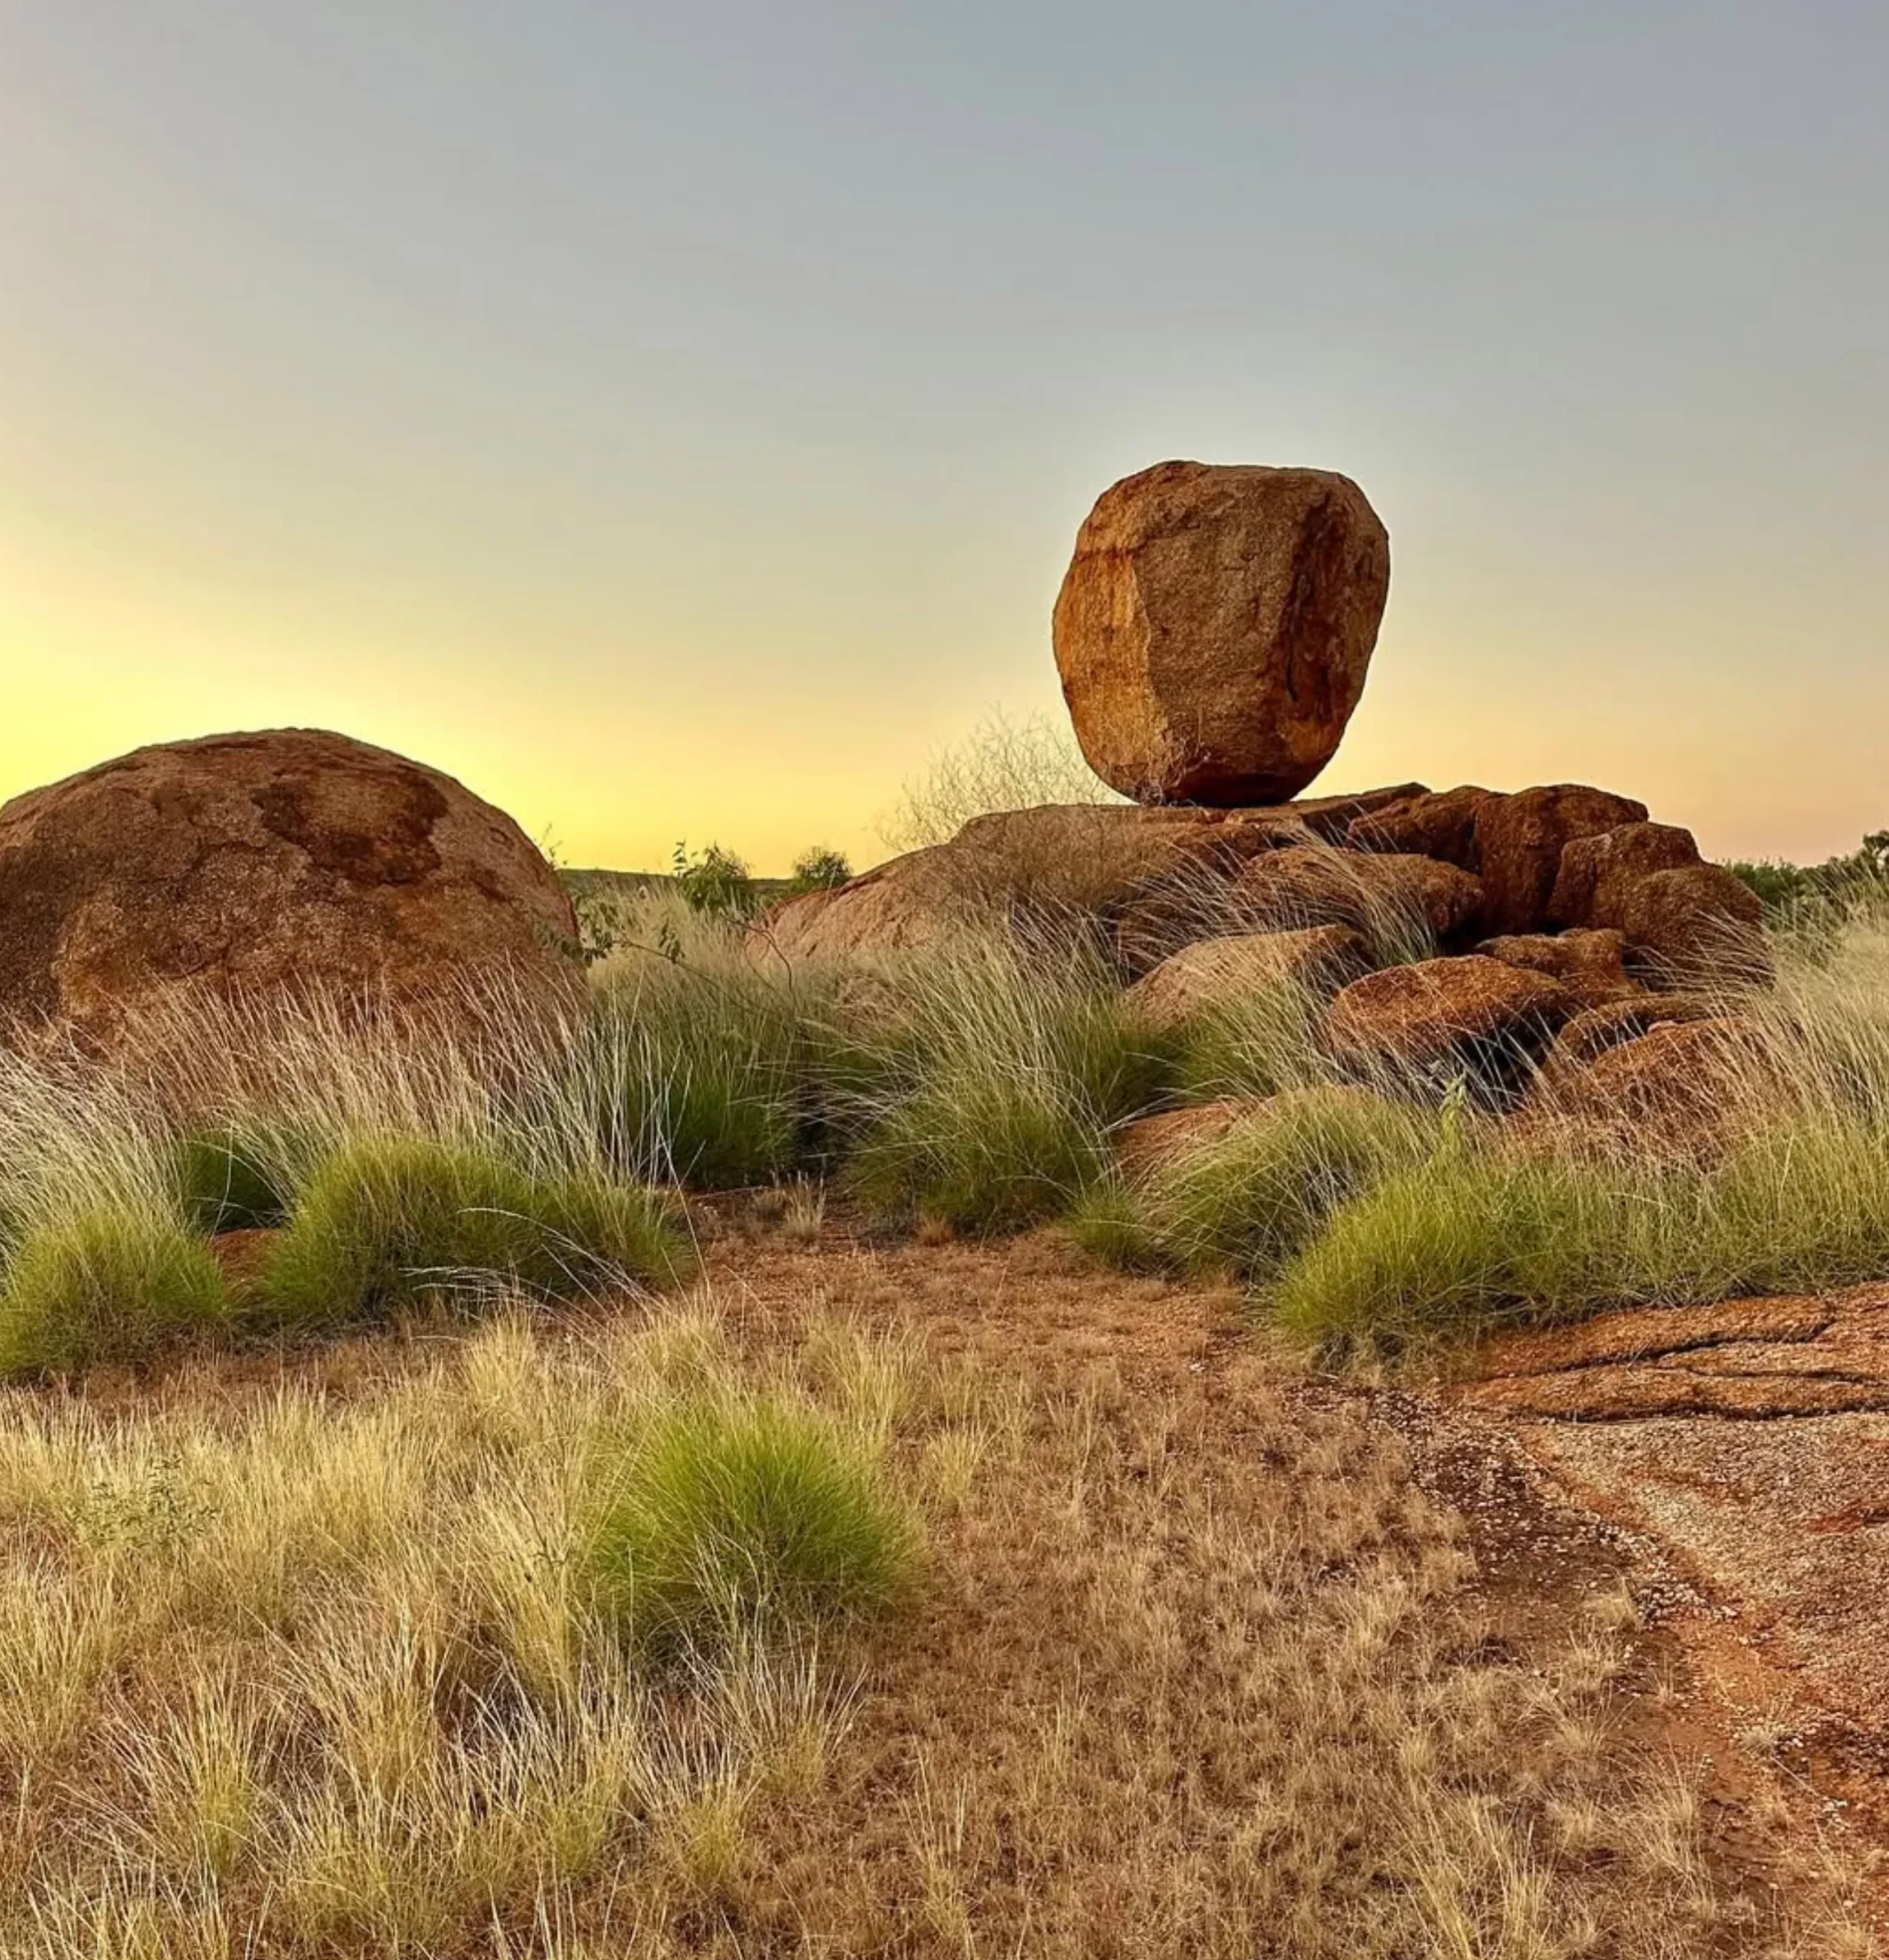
[1560, 1565]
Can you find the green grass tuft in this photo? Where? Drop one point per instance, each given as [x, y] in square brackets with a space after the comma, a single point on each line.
[1470, 1241]
[724, 1519]
[1250, 1198]
[227, 1186]
[114, 1283]
[389, 1224]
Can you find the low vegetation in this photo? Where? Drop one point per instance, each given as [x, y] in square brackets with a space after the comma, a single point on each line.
[408, 1163]
[449, 1623]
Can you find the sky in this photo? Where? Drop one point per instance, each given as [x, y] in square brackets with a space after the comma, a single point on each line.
[674, 419]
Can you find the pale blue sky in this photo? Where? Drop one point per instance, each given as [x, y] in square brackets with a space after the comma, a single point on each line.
[675, 420]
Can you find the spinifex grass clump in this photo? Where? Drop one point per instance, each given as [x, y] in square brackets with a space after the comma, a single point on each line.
[1247, 1200]
[115, 1282]
[389, 1224]
[730, 1517]
[1005, 1071]
[700, 1074]
[1461, 1244]
[227, 1185]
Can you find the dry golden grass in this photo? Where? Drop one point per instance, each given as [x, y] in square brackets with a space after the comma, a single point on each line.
[293, 1660]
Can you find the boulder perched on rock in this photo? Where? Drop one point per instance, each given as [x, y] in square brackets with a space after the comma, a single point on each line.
[1436, 1018]
[1214, 627]
[253, 864]
[1397, 899]
[1213, 973]
[1591, 965]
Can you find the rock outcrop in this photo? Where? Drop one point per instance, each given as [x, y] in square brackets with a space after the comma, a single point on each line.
[1438, 1019]
[1214, 627]
[249, 865]
[1591, 965]
[1398, 900]
[1221, 973]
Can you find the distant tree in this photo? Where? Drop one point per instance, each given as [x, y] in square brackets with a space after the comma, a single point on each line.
[1812, 895]
[715, 883]
[818, 869]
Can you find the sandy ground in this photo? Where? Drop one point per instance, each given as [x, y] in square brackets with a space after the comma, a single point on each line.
[1753, 1550]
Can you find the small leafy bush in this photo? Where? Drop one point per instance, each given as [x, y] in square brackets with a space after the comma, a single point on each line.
[820, 869]
[112, 1283]
[388, 1224]
[725, 1518]
[714, 883]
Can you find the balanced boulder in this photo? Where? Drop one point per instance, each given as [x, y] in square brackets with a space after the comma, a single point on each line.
[1214, 627]
[254, 864]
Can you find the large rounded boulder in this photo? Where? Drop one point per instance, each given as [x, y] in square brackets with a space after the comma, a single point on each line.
[252, 865]
[1214, 627]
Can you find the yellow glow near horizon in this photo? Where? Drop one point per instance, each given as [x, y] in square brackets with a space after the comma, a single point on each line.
[552, 395]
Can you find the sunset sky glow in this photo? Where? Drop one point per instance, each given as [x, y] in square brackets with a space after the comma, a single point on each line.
[674, 421]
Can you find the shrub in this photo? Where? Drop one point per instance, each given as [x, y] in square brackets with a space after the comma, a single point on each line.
[716, 884]
[820, 869]
[1109, 1221]
[111, 1283]
[1257, 1045]
[390, 1224]
[723, 1518]
[1468, 1241]
[979, 1152]
[227, 1185]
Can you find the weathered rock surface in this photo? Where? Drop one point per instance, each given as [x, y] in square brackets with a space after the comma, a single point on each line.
[1683, 1085]
[253, 864]
[1160, 875]
[1145, 1147]
[1598, 873]
[1594, 1030]
[1433, 823]
[1519, 840]
[1746, 1445]
[1437, 1015]
[908, 901]
[1755, 1358]
[1214, 627]
[1212, 973]
[1698, 924]
[1393, 896]
[1590, 965]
